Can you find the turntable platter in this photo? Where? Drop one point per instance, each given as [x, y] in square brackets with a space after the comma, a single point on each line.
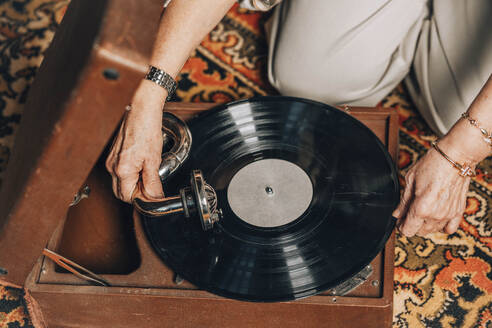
[307, 193]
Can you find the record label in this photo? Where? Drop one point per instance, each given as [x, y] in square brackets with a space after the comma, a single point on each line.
[270, 193]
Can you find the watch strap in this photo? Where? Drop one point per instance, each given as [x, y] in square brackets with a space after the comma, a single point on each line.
[163, 79]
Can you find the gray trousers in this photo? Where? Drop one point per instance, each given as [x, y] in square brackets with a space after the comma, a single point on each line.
[355, 52]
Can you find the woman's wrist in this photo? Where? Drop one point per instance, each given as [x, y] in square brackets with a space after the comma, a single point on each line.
[464, 143]
[149, 96]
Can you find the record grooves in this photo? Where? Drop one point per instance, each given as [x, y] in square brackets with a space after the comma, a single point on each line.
[308, 158]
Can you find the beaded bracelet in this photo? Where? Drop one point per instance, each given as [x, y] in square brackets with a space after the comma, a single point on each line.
[487, 137]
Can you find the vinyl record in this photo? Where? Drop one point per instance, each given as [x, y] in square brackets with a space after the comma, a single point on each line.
[306, 192]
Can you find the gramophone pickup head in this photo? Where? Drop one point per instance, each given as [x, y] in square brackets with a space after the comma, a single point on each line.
[199, 199]
[205, 200]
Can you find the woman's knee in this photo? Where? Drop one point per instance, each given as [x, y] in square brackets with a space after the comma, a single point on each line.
[334, 78]
[344, 61]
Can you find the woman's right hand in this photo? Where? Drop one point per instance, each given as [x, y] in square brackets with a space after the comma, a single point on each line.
[136, 151]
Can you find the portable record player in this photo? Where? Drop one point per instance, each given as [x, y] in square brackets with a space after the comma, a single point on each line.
[59, 152]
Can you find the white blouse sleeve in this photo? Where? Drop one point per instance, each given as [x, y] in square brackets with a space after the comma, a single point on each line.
[246, 4]
[261, 5]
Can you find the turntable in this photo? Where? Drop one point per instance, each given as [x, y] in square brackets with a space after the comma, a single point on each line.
[305, 202]
[305, 193]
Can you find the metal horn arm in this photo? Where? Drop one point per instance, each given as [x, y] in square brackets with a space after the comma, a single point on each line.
[199, 198]
[177, 130]
[162, 207]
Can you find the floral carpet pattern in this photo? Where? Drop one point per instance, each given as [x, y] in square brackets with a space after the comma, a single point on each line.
[440, 280]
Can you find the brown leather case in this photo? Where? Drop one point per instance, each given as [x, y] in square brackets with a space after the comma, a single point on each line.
[95, 62]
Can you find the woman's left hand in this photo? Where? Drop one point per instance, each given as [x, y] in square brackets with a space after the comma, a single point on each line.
[434, 198]
[435, 195]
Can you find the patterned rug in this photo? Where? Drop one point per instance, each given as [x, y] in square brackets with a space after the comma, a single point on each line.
[440, 281]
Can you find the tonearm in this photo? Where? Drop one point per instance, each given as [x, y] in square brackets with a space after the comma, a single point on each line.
[199, 198]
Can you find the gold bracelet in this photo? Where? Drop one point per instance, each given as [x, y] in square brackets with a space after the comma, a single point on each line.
[465, 169]
[487, 137]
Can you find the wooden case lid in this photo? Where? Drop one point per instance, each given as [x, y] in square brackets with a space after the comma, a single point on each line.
[94, 63]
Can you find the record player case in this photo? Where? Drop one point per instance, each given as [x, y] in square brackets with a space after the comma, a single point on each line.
[96, 60]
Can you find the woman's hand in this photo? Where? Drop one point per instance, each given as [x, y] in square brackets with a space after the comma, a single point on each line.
[435, 193]
[434, 198]
[136, 151]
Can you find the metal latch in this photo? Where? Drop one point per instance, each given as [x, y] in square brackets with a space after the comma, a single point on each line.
[83, 193]
[354, 282]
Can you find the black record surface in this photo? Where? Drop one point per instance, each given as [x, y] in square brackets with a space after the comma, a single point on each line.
[355, 189]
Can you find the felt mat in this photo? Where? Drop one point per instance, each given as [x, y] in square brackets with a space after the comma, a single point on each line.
[440, 281]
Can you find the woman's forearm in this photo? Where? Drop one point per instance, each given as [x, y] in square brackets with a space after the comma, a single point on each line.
[465, 142]
[183, 26]
[136, 153]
